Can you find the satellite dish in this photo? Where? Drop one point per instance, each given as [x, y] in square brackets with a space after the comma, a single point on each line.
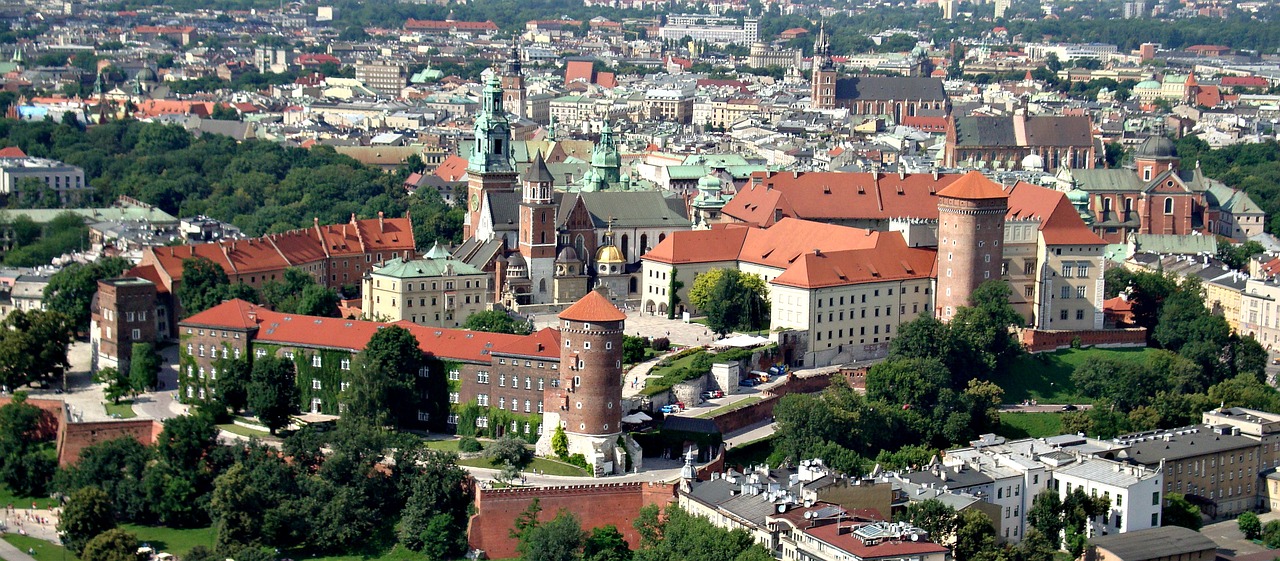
[808, 514]
[915, 537]
[782, 509]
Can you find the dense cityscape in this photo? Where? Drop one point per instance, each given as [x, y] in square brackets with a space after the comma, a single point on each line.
[639, 280]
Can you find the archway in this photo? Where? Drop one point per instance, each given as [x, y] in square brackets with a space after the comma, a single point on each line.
[649, 306]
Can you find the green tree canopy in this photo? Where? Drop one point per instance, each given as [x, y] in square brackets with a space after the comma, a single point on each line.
[144, 367]
[273, 392]
[112, 545]
[70, 291]
[496, 321]
[87, 514]
[386, 386]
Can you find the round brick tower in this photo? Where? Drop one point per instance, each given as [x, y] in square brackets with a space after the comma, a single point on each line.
[588, 401]
[970, 230]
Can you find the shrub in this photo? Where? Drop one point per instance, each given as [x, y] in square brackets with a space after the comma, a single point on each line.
[661, 344]
[469, 444]
[509, 449]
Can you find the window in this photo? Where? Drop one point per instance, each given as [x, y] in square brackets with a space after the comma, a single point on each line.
[1155, 519]
[288, 355]
[482, 400]
[1168, 205]
[315, 384]
[1067, 270]
[1082, 271]
[1080, 292]
[1029, 291]
[346, 364]
[502, 380]
[260, 353]
[1065, 292]
[454, 375]
[201, 350]
[342, 386]
[1155, 500]
[424, 372]
[1062, 315]
[137, 333]
[453, 397]
[1079, 314]
[315, 361]
[237, 353]
[482, 377]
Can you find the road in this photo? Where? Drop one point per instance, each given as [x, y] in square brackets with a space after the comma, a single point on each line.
[10, 553]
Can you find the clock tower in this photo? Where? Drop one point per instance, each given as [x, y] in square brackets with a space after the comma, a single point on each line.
[490, 167]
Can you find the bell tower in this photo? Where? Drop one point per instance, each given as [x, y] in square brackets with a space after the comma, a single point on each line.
[824, 72]
[490, 167]
[538, 227]
[513, 90]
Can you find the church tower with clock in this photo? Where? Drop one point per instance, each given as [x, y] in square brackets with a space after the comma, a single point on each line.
[490, 167]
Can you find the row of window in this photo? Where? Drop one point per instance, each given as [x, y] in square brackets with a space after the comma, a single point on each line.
[515, 382]
[108, 315]
[212, 332]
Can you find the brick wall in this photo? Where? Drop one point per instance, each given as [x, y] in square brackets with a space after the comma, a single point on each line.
[1037, 341]
[74, 437]
[78, 436]
[738, 418]
[595, 506]
[50, 421]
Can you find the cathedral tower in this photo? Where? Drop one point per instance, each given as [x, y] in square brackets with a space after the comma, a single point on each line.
[824, 72]
[490, 167]
[538, 228]
[513, 90]
[970, 230]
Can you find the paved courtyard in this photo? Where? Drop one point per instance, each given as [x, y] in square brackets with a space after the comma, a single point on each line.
[647, 325]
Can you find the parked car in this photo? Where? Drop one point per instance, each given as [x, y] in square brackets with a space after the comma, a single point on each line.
[669, 409]
[748, 382]
[1069, 407]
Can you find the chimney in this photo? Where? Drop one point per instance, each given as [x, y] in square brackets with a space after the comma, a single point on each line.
[902, 171]
[380, 225]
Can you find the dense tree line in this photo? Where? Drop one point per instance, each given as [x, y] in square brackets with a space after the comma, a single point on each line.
[1248, 166]
[933, 389]
[345, 500]
[259, 186]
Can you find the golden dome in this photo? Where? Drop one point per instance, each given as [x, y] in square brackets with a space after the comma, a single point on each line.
[609, 254]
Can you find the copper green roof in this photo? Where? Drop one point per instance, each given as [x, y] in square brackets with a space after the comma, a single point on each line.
[423, 268]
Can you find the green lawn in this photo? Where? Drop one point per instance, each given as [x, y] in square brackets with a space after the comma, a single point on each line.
[730, 407]
[546, 466]
[44, 551]
[124, 409]
[177, 542]
[396, 553]
[1046, 377]
[8, 497]
[1033, 425]
[450, 445]
[245, 431]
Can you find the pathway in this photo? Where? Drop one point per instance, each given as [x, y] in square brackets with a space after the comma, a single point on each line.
[10, 553]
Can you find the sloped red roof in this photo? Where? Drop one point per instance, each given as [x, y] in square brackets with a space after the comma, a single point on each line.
[544, 343]
[1117, 305]
[336, 333]
[1060, 224]
[973, 186]
[150, 273]
[836, 196]
[699, 246]
[439, 25]
[453, 168]
[1244, 82]
[12, 152]
[890, 260]
[593, 307]
[578, 70]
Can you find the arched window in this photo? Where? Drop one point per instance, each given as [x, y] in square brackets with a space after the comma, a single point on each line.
[624, 246]
[1168, 205]
[542, 285]
[644, 243]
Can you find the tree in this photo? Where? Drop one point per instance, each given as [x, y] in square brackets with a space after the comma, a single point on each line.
[559, 539]
[509, 449]
[734, 300]
[87, 514]
[703, 284]
[33, 347]
[70, 291]
[974, 534]
[234, 377]
[434, 520]
[1178, 511]
[117, 467]
[298, 293]
[112, 545]
[633, 349]
[1271, 534]
[23, 465]
[144, 367]
[201, 287]
[985, 324]
[1249, 525]
[1045, 514]
[386, 387]
[118, 383]
[1237, 256]
[495, 321]
[273, 392]
[932, 516]
[605, 544]
[680, 536]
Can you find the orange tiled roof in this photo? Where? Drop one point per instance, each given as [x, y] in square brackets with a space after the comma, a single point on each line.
[12, 152]
[1060, 224]
[593, 307]
[890, 260]
[453, 168]
[836, 195]
[973, 186]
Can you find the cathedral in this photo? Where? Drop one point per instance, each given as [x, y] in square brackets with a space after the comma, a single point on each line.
[548, 247]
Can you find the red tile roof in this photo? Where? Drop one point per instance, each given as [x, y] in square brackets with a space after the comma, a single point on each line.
[450, 25]
[837, 196]
[579, 70]
[890, 260]
[1244, 82]
[544, 343]
[150, 273]
[700, 246]
[1117, 305]
[453, 168]
[1060, 224]
[846, 541]
[12, 152]
[335, 333]
[973, 186]
[778, 246]
[593, 307]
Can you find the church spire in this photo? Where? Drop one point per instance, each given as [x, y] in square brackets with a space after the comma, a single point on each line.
[822, 48]
[492, 148]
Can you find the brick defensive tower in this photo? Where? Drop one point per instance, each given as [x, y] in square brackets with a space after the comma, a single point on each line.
[970, 230]
[587, 402]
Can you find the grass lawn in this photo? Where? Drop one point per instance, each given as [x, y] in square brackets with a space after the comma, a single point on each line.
[245, 431]
[124, 409]
[730, 407]
[177, 542]
[751, 453]
[546, 466]
[8, 497]
[45, 551]
[450, 445]
[1046, 377]
[1033, 425]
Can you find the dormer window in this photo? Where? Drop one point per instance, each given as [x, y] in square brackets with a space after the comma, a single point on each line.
[1146, 173]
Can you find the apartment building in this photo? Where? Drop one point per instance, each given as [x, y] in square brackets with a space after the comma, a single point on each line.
[385, 77]
[1214, 465]
[1133, 491]
[671, 105]
[66, 180]
[712, 29]
[436, 290]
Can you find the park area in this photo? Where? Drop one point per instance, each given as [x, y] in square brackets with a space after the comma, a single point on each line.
[1046, 377]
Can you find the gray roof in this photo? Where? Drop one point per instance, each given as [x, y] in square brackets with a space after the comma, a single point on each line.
[1193, 441]
[1038, 131]
[1154, 543]
[889, 88]
[1104, 472]
[633, 209]
[985, 131]
[537, 172]
[1175, 244]
[504, 207]
[689, 424]
[954, 479]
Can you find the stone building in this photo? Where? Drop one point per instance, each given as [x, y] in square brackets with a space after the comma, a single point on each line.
[436, 290]
[123, 313]
[970, 228]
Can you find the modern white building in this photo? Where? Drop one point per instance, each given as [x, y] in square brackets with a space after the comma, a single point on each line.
[67, 180]
[1134, 492]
